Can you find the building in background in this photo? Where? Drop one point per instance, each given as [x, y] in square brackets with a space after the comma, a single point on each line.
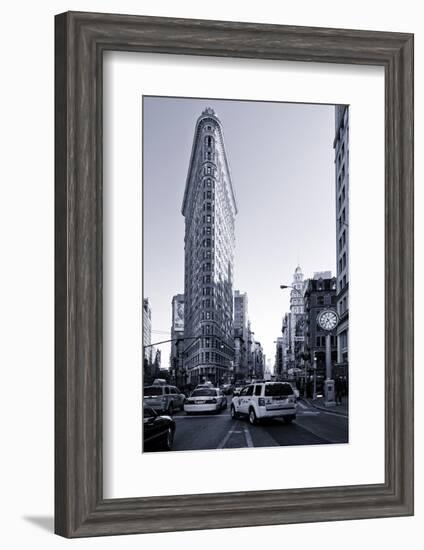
[177, 368]
[258, 361]
[279, 357]
[147, 331]
[286, 336]
[151, 355]
[157, 363]
[341, 150]
[295, 351]
[209, 208]
[320, 293]
[240, 335]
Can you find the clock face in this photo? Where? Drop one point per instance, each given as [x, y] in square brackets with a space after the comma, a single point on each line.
[328, 319]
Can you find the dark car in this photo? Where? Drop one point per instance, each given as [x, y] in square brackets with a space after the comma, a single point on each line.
[158, 431]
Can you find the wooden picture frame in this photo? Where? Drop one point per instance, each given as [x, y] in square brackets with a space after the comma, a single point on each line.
[81, 39]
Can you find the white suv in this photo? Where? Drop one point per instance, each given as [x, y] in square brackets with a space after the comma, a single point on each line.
[265, 400]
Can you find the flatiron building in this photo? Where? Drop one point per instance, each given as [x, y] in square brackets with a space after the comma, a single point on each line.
[209, 208]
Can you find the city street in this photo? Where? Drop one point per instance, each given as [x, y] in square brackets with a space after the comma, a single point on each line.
[219, 431]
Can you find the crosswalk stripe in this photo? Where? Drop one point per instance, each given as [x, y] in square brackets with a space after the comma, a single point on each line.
[248, 437]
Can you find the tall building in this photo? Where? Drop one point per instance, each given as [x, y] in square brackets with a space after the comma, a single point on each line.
[320, 293]
[286, 337]
[209, 207]
[279, 356]
[341, 149]
[296, 319]
[177, 331]
[250, 348]
[240, 335]
[258, 361]
[147, 330]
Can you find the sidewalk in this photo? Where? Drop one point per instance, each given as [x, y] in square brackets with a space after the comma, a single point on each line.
[342, 410]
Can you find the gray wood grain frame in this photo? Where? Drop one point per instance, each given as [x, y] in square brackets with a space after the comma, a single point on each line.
[81, 39]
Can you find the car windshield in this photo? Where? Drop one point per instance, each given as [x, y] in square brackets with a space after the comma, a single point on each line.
[204, 392]
[153, 390]
[272, 390]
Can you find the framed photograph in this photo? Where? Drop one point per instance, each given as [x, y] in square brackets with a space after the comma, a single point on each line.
[233, 202]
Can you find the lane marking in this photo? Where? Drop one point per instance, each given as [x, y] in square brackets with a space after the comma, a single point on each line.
[189, 417]
[227, 436]
[248, 437]
[302, 405]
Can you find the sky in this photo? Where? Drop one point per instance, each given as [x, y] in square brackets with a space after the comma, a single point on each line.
[281, 161]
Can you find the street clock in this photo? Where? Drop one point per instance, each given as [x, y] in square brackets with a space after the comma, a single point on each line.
[328, 319]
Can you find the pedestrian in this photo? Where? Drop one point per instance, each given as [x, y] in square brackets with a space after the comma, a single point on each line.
[339, 390]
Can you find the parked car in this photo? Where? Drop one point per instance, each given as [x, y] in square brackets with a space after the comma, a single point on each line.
[205, 400]
[163, 398]
[265, 400]
[226, 389]
[204, 385]
[237, 388]
[158, 431]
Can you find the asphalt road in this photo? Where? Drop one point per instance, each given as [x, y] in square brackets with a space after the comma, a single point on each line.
[220, 431]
